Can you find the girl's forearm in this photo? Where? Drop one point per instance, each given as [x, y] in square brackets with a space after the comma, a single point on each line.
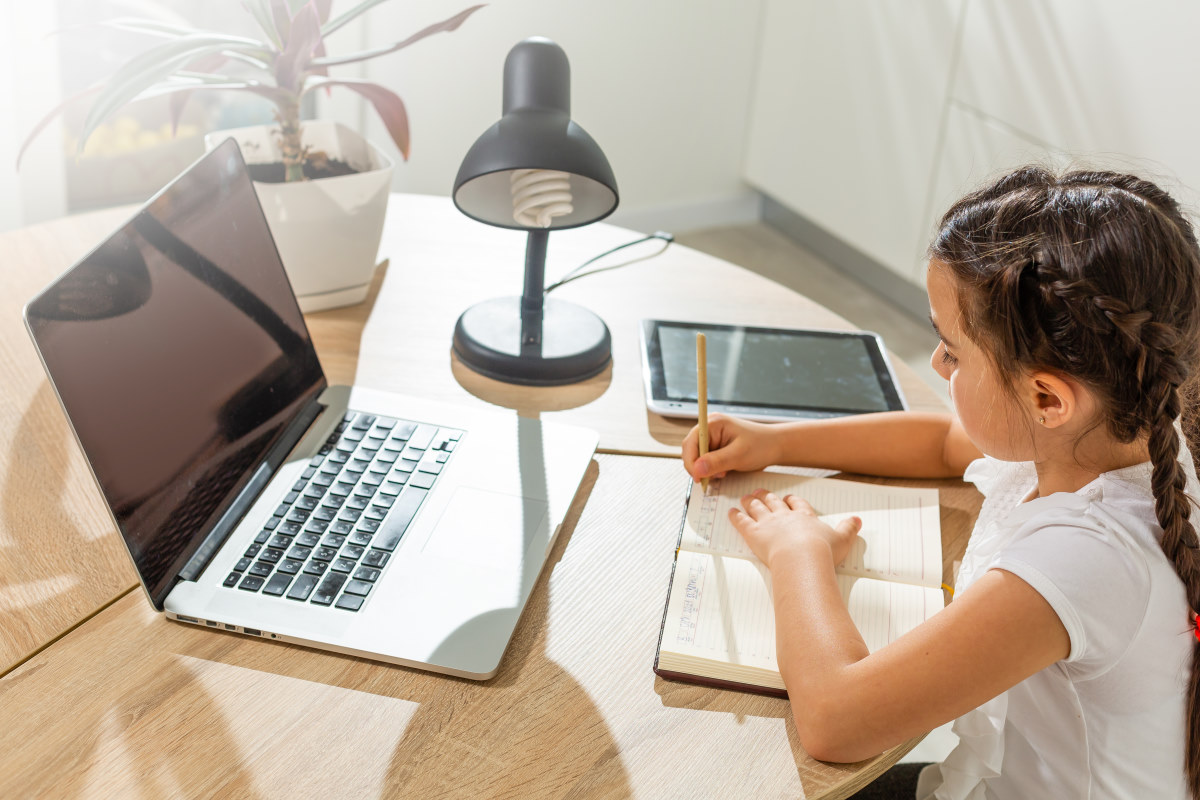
[815, 642]
[900, 444]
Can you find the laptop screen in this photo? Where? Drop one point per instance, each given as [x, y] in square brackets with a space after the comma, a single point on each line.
[180, 355]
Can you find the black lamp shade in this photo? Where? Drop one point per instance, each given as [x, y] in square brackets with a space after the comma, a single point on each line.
[534, 139]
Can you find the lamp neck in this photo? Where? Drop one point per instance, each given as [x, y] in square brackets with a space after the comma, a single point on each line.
[533, 299]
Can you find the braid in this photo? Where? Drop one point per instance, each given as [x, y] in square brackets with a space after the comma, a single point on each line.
[1096, 275]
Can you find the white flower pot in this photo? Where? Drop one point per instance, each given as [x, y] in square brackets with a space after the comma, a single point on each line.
[327, 230]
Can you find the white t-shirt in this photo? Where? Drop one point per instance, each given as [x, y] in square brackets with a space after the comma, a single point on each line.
[1108, 720]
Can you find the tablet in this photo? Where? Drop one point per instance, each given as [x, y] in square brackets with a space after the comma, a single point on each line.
[772, 374]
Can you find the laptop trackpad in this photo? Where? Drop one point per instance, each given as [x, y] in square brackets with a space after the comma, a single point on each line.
[488, 529]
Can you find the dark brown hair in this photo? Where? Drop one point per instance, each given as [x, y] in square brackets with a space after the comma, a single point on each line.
[1095, 275]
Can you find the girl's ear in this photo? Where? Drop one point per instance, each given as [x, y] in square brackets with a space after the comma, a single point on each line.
[1053, 400]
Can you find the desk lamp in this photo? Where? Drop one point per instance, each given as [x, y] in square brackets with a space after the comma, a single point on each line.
[535, 170]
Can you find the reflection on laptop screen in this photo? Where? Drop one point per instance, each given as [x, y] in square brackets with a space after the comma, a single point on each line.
[179, 354]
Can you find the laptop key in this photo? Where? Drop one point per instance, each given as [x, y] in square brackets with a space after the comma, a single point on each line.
[303, 587]
[308, 540]
[341, 527]
[273, 523]
[316, 567]
[392, 529]
[343, 565]
[369, 574]
[404, 430]
[387, 423]
[290, 528]
[333, 540]
[299, 553]
[376, 558]
[251, 583]
[260, 569]
[325, 553]
[232, 579]
[289, 566]
[278, 584]
[358, 587]
[352, 551]
[271, 555]
[262, 537]
[328, 589]
[422, 480]
[280, 541]
[252, 550]
[360, 538]
[350, 602]
[422, 436]
[241, 565]
[369, 525]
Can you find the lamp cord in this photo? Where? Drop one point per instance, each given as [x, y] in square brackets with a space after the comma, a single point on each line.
[574, 275]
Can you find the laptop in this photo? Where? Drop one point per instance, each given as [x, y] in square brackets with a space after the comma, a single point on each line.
[252, 496]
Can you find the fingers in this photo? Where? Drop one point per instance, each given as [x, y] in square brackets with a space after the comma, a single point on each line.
[850, 526]
[799, 504]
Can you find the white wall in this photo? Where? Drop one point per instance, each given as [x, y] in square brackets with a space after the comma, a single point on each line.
[29, 88]
[663, 86]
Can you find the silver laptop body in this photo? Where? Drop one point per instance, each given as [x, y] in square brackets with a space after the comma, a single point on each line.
[186, 371]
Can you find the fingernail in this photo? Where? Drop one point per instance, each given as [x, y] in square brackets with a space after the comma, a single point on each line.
[701, 469]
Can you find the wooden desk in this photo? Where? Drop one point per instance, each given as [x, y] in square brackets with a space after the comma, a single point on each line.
[101, 696]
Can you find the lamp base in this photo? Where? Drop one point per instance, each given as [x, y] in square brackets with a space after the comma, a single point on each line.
[575, 343]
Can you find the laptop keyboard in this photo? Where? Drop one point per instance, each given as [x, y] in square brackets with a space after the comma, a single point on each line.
[331, 539]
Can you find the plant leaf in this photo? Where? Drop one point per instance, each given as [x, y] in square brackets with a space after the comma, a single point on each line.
[445, 25]
[304, 38]
[323, 9]
[50, 115]
[282, 18]
[261, 12]
[143, 71]
[179, 99]
[387, 104]
[338, 22]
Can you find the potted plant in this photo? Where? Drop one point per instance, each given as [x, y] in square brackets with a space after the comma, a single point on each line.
[323, 188]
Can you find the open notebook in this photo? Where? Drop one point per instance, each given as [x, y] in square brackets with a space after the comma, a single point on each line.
[719, 623]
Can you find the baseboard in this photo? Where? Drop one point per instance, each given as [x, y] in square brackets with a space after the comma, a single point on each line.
[846, 257]
[736, 209]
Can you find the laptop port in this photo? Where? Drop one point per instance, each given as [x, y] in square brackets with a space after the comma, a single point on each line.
[210, 623]
[182, 618]
[252, 631]
[229, 627]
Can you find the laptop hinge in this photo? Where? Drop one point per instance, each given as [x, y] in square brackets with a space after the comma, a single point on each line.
[216, 537]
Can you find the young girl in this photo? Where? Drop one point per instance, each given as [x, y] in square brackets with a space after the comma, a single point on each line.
[1068, 309]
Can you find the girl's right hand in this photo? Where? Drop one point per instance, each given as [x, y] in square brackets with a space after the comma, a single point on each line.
[733, 444]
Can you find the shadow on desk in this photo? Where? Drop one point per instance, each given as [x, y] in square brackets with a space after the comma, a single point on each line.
[145, 706]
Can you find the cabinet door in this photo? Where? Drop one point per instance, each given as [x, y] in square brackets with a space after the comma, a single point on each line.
[847, 107]
[977, 149]
[1111, 82]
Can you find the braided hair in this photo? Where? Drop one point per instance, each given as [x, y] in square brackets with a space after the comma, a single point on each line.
[1095, 275]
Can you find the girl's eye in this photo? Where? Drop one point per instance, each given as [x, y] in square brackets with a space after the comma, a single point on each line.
[947, 358]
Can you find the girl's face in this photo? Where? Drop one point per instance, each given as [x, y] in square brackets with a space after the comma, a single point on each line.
[988, 412]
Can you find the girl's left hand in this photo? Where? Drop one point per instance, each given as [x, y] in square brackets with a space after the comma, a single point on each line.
[770, 524]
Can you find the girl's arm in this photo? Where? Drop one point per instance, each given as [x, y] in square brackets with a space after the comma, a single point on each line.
[850, 705]
[900, 444]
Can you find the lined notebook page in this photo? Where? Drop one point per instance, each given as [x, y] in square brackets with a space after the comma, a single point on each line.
[883, 611]
[720, 609]
[900, 538]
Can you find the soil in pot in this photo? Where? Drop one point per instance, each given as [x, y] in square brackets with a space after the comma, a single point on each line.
[318, 165]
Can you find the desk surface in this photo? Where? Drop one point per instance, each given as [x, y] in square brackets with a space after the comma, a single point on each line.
[575, 709]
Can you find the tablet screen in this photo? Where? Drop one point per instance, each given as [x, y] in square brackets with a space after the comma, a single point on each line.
[778, 371]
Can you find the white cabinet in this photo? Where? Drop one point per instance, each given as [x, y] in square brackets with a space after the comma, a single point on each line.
[846, 113]
[872, 116]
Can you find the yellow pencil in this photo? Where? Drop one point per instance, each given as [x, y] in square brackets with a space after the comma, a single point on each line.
[702, 397]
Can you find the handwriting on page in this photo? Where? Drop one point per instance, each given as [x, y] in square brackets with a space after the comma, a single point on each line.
[724, 610]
